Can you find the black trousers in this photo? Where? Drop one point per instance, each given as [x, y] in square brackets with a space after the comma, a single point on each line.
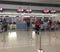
[37, 28]
[5, 28]
[28, 25]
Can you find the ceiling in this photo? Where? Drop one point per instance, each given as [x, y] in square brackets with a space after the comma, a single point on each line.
[12, 4]
[38, 1]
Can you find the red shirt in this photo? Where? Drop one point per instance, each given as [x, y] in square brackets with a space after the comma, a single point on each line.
[37, 22]
[49, 24]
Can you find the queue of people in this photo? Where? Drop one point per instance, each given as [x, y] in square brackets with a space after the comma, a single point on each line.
[37, 25]
[46, 25]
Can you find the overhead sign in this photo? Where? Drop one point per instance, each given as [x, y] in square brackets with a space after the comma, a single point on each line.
[53, 11]
[28, 10]
[45, 11]
[20, 10]
[1, 9]
[49, 11]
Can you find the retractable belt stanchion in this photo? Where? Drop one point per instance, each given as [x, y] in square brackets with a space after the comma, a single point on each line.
[55, 30]
[40, 49]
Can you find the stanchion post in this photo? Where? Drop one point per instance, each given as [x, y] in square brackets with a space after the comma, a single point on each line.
[40, 48]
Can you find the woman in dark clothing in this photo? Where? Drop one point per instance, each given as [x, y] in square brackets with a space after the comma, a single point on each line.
[28, 23]
[50, 24]
[4, 25]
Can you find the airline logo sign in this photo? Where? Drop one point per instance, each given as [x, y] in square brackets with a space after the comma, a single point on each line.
[20, 10]
[45, 11]
[28, 10]
[52, 11]
[49, 11]
[1, 9]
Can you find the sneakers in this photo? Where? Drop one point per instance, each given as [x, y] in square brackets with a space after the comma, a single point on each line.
[37, 32]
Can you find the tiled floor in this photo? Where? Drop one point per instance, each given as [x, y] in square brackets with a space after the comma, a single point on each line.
[28, 41]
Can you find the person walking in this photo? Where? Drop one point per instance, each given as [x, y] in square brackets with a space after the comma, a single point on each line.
[37, 26]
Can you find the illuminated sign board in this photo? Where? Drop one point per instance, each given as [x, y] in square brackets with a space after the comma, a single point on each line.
[28, 10]
[52, 11]
[1, 9]
[45, 11]
[20, 10]
[49, 11]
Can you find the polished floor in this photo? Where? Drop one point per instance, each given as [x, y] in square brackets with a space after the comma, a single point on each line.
[28, 41]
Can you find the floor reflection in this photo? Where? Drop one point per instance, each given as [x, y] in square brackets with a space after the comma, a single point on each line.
[12, 35]
[33, 35]
[28, 41]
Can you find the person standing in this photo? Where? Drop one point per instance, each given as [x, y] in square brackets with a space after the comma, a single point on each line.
[4, 22]
[41, 26]
[50, 24]
[58, 24]
[28, 23]
[1, 25]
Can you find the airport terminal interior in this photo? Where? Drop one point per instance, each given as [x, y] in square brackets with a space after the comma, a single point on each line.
[29, 26]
